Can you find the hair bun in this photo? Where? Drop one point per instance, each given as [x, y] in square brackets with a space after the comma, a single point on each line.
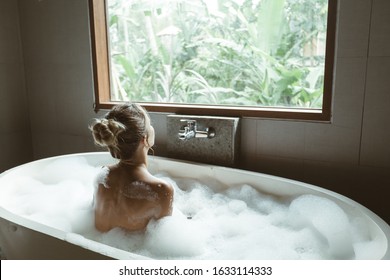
[105, 131]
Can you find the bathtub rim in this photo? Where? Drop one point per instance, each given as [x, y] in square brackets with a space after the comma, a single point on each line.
[116, 253]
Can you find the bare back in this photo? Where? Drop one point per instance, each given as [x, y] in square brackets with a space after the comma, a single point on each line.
[129, 197]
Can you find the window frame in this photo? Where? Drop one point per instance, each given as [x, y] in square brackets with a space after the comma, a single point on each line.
[102, 89]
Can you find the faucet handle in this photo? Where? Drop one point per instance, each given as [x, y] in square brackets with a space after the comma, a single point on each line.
[189, 123]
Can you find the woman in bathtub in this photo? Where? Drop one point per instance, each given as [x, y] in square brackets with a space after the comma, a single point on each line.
[127, 195]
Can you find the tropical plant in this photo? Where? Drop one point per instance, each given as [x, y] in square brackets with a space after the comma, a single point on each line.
[241, 52]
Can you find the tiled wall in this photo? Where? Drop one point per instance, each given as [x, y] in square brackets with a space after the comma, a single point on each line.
[376, 127]
[350, 156]
[56, 50]
[15, 134]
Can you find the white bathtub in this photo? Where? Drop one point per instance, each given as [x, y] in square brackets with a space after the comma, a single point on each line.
[21, 238]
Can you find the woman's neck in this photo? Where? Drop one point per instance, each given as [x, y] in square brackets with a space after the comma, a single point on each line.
[140, 158]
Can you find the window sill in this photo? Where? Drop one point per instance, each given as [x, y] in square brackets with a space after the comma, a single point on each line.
[315, 115]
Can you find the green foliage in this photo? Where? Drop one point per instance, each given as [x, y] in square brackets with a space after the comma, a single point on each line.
[231, 52]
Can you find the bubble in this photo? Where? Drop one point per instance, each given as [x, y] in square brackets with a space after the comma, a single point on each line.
[327, 220]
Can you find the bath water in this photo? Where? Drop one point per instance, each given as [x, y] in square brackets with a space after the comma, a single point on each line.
[235, 223]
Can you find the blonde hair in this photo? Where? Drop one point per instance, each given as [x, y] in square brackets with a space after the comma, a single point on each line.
[121, 130]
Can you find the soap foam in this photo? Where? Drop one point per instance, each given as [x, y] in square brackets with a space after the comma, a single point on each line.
[234, 223]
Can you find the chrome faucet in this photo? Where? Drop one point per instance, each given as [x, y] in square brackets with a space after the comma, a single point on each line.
[189, 130]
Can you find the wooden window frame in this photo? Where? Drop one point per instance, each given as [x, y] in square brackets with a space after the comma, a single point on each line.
[101, 71]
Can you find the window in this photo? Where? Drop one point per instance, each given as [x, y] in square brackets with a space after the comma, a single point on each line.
[257, 58]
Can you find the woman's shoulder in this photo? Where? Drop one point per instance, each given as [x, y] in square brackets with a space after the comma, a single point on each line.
[101, 177]
[162, 184]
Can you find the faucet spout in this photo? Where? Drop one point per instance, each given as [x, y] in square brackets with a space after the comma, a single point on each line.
[186, 135]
